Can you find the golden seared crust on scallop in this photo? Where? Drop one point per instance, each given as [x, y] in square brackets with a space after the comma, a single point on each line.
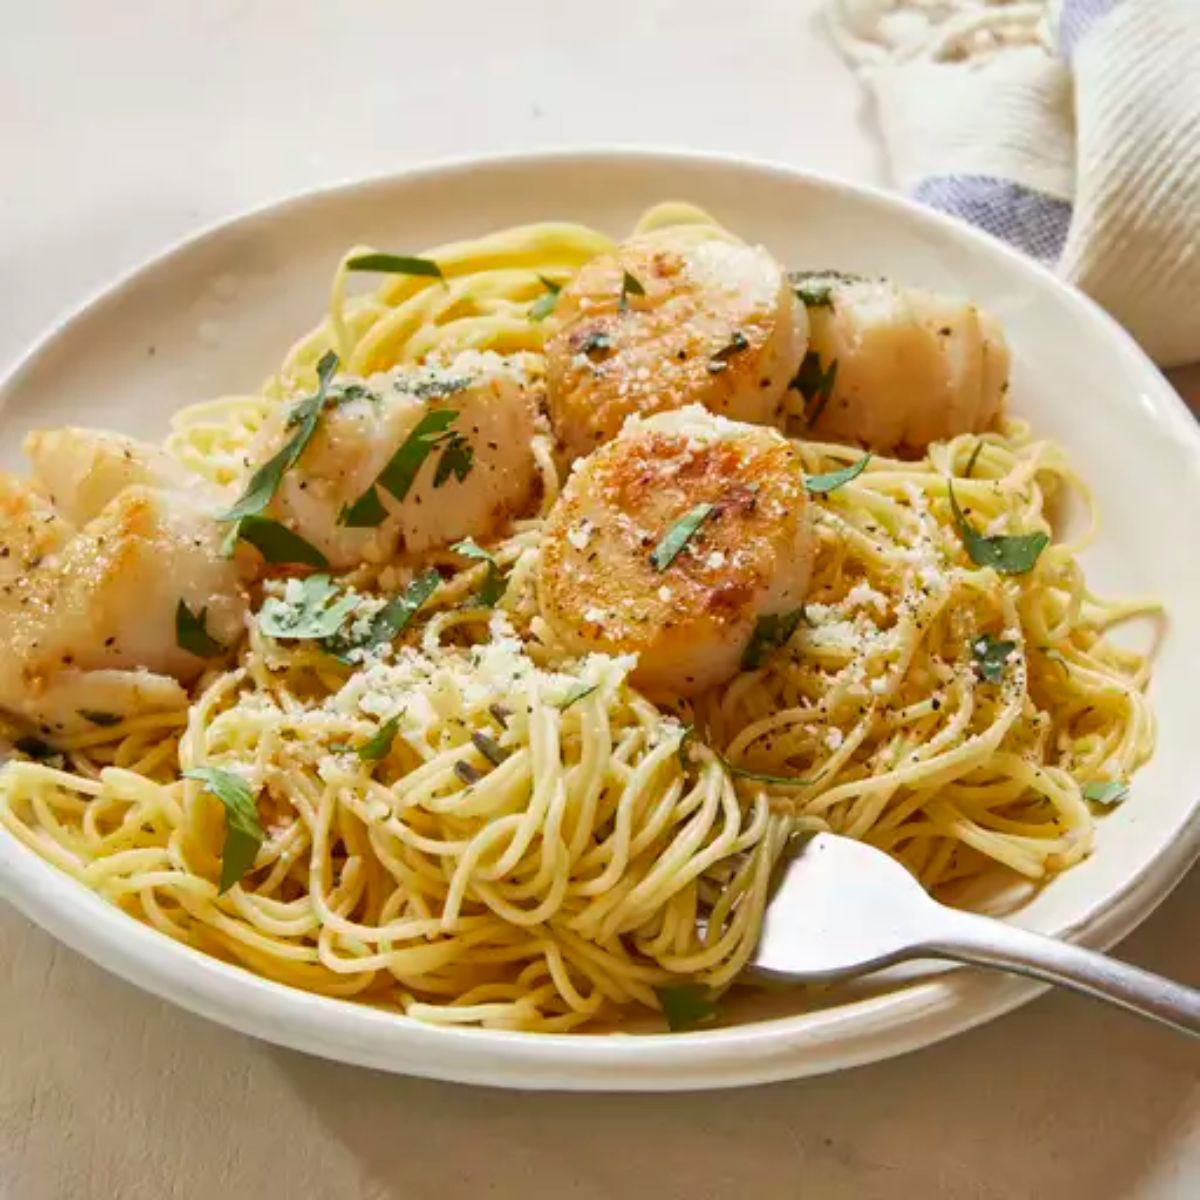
[913, 367]
[689, 620]
[717, 325]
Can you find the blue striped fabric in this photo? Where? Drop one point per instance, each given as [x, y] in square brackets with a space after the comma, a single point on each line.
[1027, 219]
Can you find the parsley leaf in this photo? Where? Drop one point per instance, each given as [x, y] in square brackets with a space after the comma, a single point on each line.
[347, 393]
[457, 459]
[1007, 554]
[770, 633]
[366, 512]
[380, 745]
[392, 619]
[990, 655]
[544, 305]
[595, 342]
[763, 776]
[822, 485]
[394, 264]
[400, 472]
[305, 414]
[678, 536]
[313, 614]
[493, 582]
[720, 360]
[432, 387]
[401, 469]
[395, 617]
[274, 541]
[972, 460]
[629, 287]
[192, 635]
[104, 719]
[1110, 791]
[814, 288]
[575, 693]
[685, 1006]
[815, 384]
[243, 834]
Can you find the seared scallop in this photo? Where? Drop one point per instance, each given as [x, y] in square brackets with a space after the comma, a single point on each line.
[895, 368]
[410, 460]
[667, 321]
[88, 612]
[672, 541]
[83, 469]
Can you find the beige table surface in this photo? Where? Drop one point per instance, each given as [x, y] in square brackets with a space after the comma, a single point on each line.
[126, 124]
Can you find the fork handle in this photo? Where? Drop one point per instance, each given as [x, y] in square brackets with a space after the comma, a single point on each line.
[986, 943]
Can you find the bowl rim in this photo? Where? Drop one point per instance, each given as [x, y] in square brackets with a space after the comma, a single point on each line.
[806, 1043]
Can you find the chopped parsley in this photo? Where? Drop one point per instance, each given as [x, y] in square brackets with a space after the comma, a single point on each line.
[1110, 791]
[1007, 554]
[393, 619]
[243, 833]
[678, 536]
[972, 460]
[434, 387]
[457, 459]
[770, 633]
[822, 485]
[380, 744]
[394, 264]
[629, 287]
[303, 417]
[685, 1006]
[493, 582]
[545, 304]
[347, 393]
[814, 289]
[313, 609]
[192, 635]
[274, 541]
[763, 776]
[367, 512]
[815, 384]
[720, 360]
[397, 477]
[595, 344]
[989, 655]
[397, 614]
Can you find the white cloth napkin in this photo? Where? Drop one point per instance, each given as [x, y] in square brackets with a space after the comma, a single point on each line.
[1069, 128]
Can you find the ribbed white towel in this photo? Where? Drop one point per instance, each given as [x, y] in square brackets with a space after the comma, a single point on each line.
[1070, 129]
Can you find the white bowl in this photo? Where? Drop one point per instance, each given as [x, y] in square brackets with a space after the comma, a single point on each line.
[216, 313]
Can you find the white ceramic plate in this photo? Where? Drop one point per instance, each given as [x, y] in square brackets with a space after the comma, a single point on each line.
[216, 313]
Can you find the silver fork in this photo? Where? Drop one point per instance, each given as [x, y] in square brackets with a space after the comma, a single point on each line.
[843, 908]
